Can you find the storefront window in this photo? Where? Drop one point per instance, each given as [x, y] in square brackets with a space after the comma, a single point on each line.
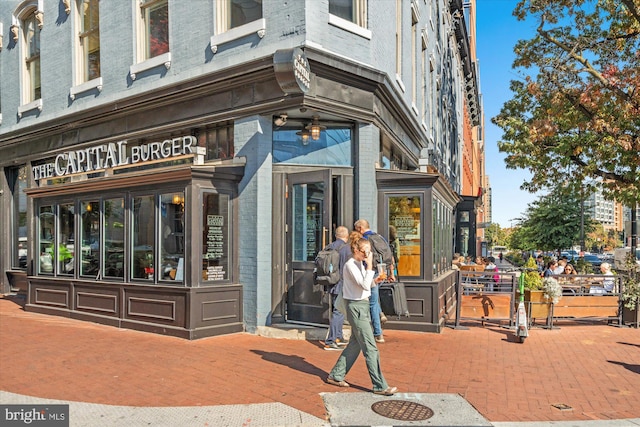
[46, 227]
[215, 237]
[404, 233]
[442, 232]
[172, 236]
[219, 142]
[142, 262]
[66, 246]
[114, 228]
[90, 232]
[17, 178]
[332, 149]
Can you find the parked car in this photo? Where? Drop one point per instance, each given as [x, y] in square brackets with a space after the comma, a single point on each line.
[594, 260]
[571, 254]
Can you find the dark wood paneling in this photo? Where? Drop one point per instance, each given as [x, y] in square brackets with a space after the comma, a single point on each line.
[182, 312]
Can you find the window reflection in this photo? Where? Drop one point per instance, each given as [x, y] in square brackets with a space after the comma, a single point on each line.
[114, 237]
[46, 226]
[333, 148]
[142, 262]
[172, 236]
[66, 248]
[90, 232]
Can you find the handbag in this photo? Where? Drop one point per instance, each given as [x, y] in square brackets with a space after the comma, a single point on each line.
[341, 305]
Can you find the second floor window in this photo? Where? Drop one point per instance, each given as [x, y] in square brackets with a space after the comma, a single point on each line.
[155, 18]
[89, 39]
[351, 10]
[32, 58]
[235, 13]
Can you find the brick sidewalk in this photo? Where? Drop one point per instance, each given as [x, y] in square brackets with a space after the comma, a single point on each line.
[594, 369]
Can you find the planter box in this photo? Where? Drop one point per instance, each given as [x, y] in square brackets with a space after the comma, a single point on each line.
[631, 317]
[538, 306]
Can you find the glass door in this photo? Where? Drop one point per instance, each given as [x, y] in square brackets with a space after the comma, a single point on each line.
[309, 230]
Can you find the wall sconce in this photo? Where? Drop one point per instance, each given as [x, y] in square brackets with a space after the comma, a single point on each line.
[314, 128]
[304, 136]
[178, 199]
[280, 120]
[67, 6]
[15, 32]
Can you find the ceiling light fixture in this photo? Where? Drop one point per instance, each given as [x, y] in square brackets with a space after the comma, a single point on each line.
[315, 128]
[304, 136]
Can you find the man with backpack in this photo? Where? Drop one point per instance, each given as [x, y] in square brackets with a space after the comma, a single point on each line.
[329, 265]
[382, 254]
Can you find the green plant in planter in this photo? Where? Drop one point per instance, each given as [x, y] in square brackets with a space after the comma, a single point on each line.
[532, 279]
[631, 283]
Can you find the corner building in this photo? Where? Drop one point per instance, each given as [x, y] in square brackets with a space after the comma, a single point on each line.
[175, 166]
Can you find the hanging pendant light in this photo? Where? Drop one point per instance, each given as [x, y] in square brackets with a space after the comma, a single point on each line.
[315, 128]
[304, 136]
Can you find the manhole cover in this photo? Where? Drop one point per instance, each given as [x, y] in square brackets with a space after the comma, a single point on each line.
[402, 410]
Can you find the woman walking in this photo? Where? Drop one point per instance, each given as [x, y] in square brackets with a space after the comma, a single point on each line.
[356, 289]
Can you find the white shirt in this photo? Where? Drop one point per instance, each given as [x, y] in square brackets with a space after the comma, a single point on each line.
[356, 280]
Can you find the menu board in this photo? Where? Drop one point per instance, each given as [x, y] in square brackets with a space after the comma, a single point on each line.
[215, 246]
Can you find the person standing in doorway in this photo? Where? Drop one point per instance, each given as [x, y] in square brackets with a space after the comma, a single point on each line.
[358, 280]
[335, 340]
[377, 316]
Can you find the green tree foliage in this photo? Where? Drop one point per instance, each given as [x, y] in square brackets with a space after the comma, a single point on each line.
[494, 235]
[552, 222]
[575, 115]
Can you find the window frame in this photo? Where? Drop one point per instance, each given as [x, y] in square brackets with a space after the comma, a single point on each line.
[143, 60]
[224, 32]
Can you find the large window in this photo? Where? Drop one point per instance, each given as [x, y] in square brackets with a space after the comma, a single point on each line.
[17, 179]
[65, 250]
[143, 237]
[219, 142]
[90, 234]
[172, 236]
[46, 241]
[152, 223]
[155, 19]
[89, 40]
[350, 10]
[114, 237]
[405, 236]
[443, 226]
[32, 86]
[216, 248]
[333, 148]
[235, 13]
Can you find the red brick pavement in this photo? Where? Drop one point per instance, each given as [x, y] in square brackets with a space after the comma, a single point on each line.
[595, 369]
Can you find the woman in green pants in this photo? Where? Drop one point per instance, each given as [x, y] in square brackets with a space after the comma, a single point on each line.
[356, 289]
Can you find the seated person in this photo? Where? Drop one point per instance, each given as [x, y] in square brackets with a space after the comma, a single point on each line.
[608, 283]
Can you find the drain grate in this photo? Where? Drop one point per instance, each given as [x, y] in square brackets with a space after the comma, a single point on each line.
[402, 410]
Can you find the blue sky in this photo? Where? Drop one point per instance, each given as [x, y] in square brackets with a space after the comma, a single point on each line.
[497, 32]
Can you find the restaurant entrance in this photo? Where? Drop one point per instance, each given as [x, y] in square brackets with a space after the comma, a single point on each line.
[312, 207]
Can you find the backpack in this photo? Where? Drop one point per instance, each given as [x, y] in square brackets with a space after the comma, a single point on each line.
[381, 250]
[327, 271]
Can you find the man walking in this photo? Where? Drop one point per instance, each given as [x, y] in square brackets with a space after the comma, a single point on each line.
[335, 339]
[362, 226]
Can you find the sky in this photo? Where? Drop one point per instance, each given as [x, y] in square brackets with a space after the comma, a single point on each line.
[497, 32]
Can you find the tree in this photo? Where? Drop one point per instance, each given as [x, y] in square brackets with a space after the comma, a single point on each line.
[552, 222]
[494, 235]
[575, 116]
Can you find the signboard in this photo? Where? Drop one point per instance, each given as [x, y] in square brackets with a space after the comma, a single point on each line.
[113, 154]
[292, 70]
